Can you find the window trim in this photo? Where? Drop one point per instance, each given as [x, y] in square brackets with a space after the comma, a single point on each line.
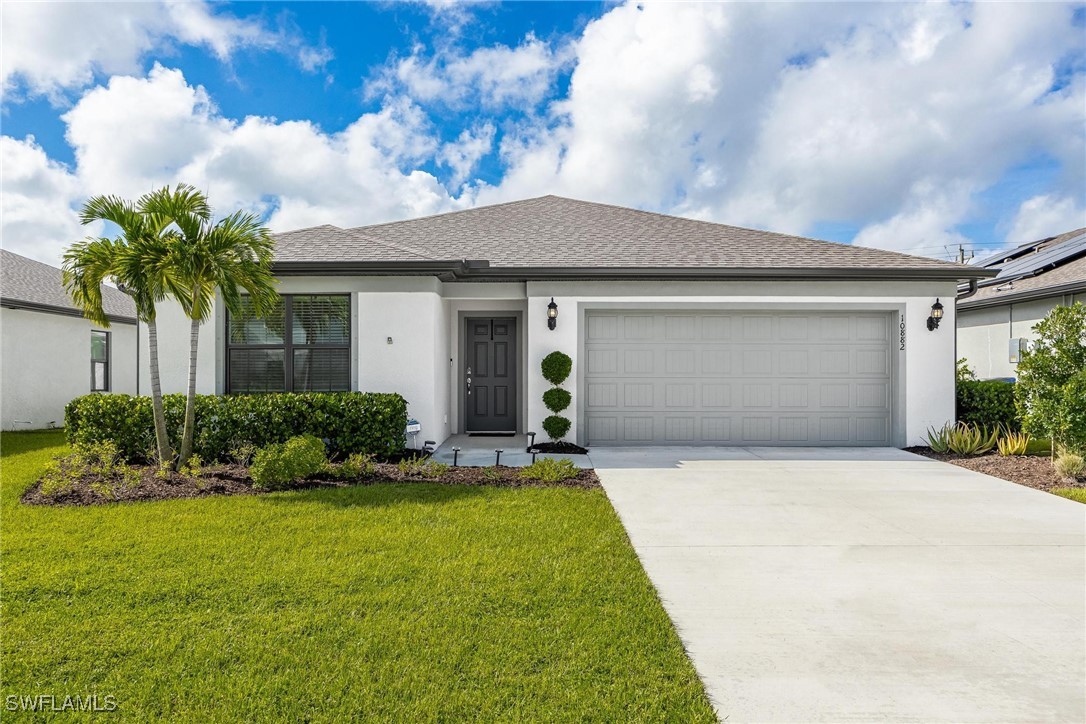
[288, 345]
[108, 361]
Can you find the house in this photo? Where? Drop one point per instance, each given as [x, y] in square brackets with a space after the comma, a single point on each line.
[996, 323]
[50, 354]
[682, 332]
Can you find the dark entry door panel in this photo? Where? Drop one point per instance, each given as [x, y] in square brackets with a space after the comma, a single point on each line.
[490, 375]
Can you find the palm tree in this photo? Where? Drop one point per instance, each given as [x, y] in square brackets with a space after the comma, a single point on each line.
[139, 262]
[229, 256]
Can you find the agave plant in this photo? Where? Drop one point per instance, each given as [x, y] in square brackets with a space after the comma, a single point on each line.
[1013, 443]
[939, 440]
[967, 439]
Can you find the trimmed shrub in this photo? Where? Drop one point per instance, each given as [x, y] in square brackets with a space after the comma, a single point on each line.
[350, 422]
[556, 399]
[556, 426]
[1072, 425]
[281, 464]
[989, 403]
[556, 367]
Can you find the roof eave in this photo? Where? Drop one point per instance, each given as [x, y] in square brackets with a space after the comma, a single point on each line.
[1025, 296]
[63, 311]
[481, 270]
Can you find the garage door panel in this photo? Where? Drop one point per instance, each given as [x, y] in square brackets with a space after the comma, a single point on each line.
[738, 378]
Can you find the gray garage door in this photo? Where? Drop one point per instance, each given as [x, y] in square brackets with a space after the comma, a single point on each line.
[737, 378]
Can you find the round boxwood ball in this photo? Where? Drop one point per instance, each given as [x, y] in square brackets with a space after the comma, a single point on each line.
[556, 426]
[556, 399]
[556, 367]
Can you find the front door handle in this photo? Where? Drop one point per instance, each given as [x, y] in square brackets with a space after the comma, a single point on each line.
[469, 380]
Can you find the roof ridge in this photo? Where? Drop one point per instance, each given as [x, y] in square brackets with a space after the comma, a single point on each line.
[456, 212]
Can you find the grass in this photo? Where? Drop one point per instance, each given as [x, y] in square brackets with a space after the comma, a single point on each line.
[1076, 494]
[386, 602]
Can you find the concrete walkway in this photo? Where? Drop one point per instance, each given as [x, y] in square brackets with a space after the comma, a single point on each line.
[861, 585]
[482, 451]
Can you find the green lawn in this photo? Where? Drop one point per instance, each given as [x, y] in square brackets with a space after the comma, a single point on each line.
[402, 602]
[1076, 494]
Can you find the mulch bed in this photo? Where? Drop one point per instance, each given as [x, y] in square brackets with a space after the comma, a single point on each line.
[235, 480]
[562, 448]
[1034, 471]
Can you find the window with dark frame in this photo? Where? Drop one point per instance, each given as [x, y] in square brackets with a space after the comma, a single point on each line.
[99, 361]
[302, 345]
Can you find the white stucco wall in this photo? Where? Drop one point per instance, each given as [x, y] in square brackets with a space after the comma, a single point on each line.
[173, 353]
[984, 333]
[924, 372]
[45, 363]
[424, 318]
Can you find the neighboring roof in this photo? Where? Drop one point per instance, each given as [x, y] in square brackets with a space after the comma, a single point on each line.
[553, 237]
[1048, 267]
[29, 284]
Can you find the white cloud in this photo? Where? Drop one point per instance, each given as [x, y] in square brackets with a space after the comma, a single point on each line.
[1046, 215]
[51, 47]
[36, 205]
[139, 133]
[923, 226]
[464, 154]
[493, 77]
[887, 116]
[785, 115]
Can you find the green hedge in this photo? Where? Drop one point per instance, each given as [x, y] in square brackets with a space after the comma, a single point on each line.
[351, 422]
[988, 403]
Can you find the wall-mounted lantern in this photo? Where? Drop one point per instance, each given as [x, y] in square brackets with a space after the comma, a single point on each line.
[552, 315]
[936, 315]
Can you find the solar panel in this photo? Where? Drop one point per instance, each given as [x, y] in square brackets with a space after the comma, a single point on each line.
[1030, 263]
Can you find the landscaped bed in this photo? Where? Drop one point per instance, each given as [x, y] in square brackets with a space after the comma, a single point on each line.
[149, 484]
[1034, 471]
[386, 601]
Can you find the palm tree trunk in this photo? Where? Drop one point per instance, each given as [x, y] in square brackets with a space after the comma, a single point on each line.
[190, 403]
[165, 454]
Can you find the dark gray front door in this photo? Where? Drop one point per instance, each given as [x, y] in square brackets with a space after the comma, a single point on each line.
[490, 375]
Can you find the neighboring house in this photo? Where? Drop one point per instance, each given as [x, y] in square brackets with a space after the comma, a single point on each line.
[681, 332]
[50, 354]
[996, 323]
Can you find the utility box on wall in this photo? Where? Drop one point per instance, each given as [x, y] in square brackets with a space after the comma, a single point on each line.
[1017, 346]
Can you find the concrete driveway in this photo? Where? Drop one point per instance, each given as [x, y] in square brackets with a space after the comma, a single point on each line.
[871, 585]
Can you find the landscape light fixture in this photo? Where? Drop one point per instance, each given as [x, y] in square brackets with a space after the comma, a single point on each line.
[936, 315]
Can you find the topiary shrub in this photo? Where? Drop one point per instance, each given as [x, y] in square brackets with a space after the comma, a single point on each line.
[556, 399]
[556, 367]
[556, 426]
[280, 464]
[351, 422]
[987, 402]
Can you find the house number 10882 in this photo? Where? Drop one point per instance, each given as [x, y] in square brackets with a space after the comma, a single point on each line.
[902, 335]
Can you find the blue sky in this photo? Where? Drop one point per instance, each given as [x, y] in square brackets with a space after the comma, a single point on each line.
[910, 127]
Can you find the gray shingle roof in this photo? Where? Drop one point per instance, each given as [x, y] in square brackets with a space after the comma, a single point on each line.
[1055, 263]
[35, 283]
[552, 231]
